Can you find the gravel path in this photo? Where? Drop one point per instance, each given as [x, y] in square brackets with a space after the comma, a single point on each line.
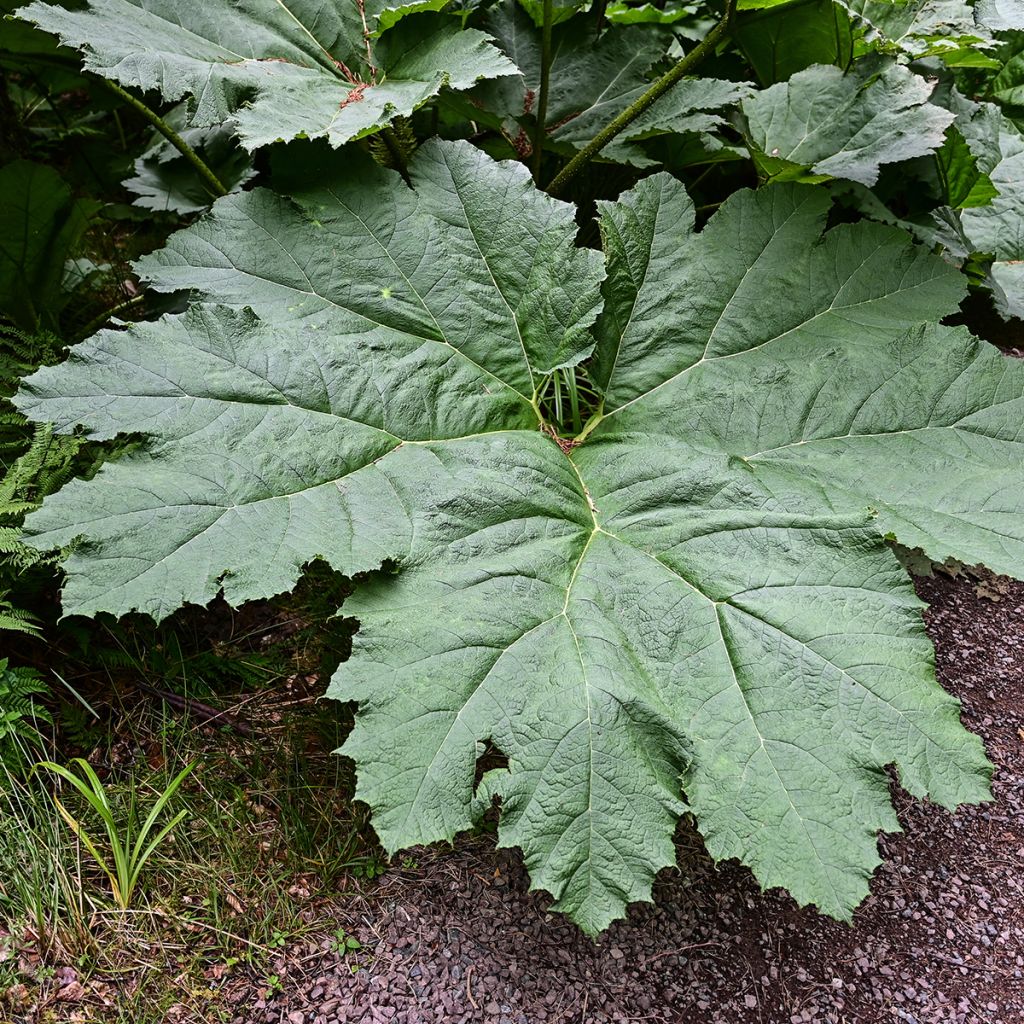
[459, 938]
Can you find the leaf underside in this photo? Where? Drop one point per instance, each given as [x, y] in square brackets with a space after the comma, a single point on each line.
[693, 610]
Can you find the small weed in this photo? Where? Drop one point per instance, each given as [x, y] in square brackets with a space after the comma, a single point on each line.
[370, 867]
[342, 943]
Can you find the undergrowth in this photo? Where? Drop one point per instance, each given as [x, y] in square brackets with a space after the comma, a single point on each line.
[270, 840]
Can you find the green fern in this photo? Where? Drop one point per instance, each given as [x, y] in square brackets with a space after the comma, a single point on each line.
[20, 712]
[22, 351]
[16, 620]
[42, 468]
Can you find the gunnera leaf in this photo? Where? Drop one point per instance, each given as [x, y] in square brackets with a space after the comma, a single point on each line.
[692, 607]
[825, 123]
[997, 229]
[949, 29]
[336, 70]
[1000, 15]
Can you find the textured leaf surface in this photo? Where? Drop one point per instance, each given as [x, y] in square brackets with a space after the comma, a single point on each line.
[1000, 15]
[282, 70]
[844, 125]
[455, 300]
[475, 259]
[694, 608]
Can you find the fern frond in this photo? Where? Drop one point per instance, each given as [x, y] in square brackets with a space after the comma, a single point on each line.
[16, 620]
[20, 711]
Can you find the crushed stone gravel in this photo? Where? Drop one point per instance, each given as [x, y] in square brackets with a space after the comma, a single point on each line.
[458, 937]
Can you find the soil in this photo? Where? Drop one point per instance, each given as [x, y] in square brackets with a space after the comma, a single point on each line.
[457, 936]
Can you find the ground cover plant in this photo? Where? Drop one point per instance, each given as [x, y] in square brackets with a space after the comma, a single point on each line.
[619, 478]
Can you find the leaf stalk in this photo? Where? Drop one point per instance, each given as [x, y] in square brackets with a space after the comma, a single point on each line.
[98, 321]
[213, 182]
[545, 85]
[678, 71]
[395, 151]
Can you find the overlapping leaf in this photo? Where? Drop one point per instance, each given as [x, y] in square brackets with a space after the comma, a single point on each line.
[981, 170]
[950, 29]
[695, 607]
[165, 180]
[593, 79]
[786, 38]
[998, 228]
[337, 70]
[840, 125]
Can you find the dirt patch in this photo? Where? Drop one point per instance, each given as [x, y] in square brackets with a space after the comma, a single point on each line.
[457, 937]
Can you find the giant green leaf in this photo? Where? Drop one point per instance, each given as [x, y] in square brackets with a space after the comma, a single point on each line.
[843, 125]
[338, 69]
[693, 608]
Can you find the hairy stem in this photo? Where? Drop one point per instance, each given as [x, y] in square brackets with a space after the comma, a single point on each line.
[680, 70]
[211, 179]
[395, 151]
[545, 82]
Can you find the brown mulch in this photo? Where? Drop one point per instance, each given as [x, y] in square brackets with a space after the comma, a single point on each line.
[458, 937]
